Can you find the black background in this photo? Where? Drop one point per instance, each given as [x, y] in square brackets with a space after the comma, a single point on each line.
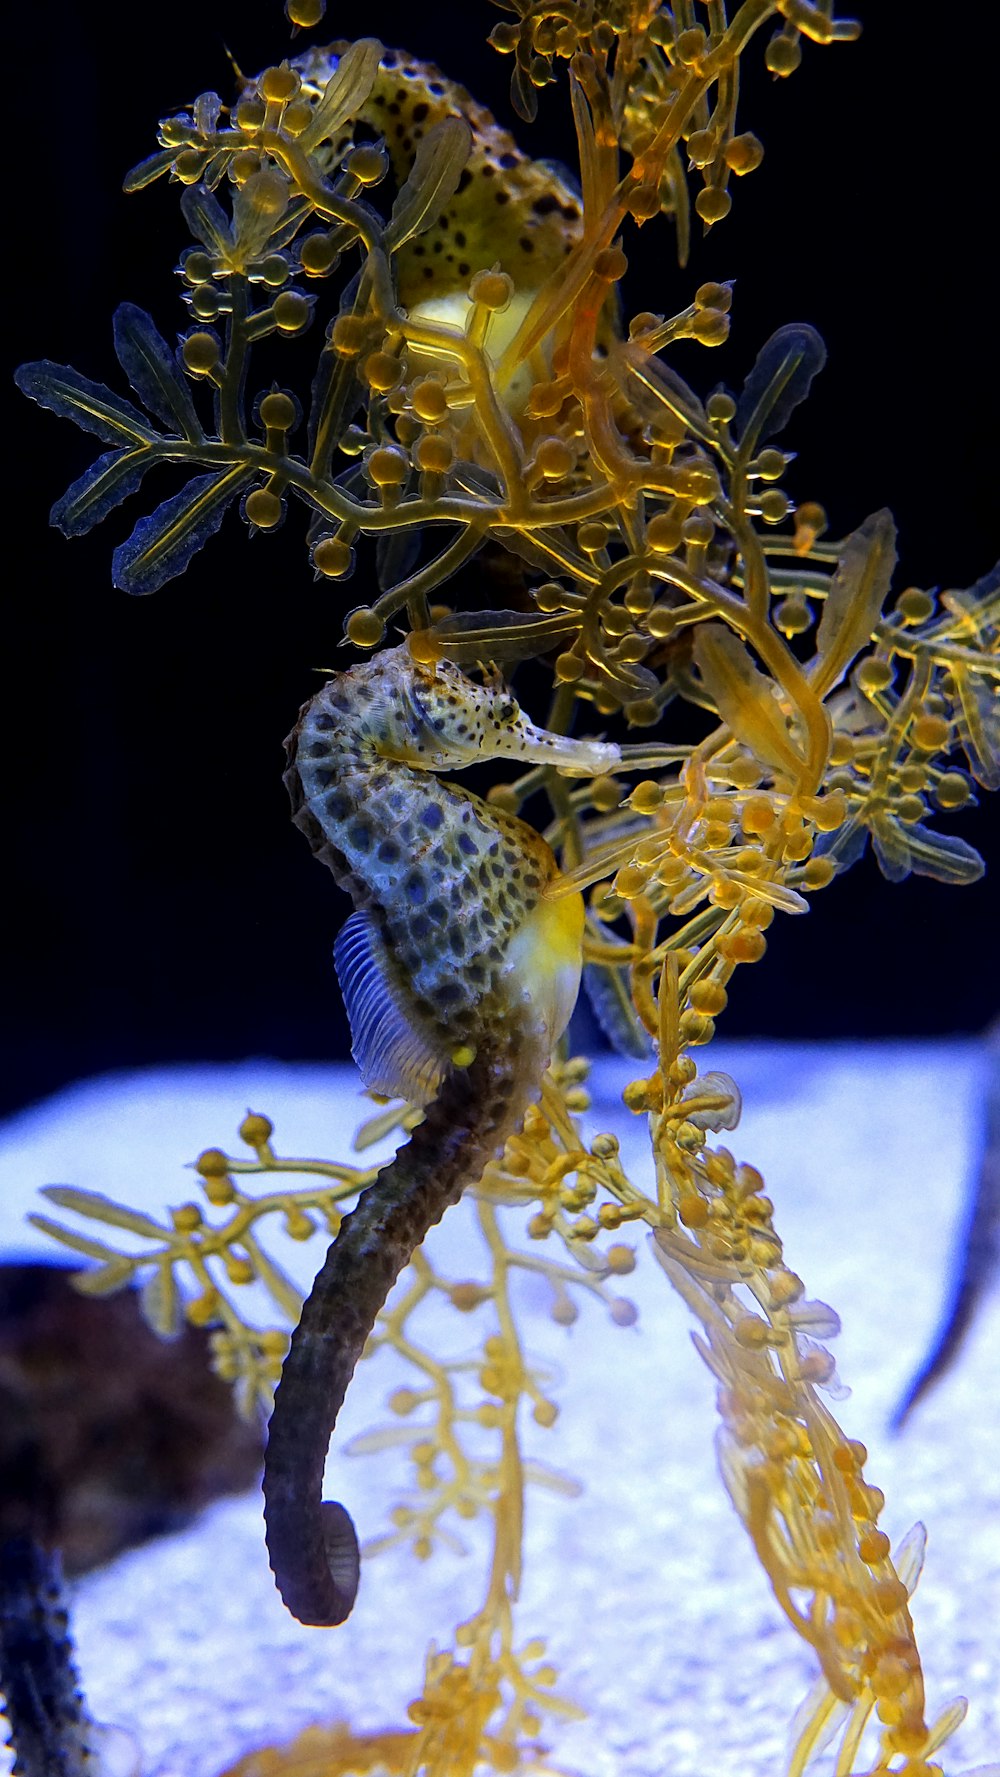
[160, 906]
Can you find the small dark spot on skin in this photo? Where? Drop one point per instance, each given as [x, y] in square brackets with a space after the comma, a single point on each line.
[489, 171]
[544, 206]
[443, 222]
[465, 180]
[459, 238]
[456, 938]
[432, 817]
[438, 912]
[436, 87]
[378, 99]
[571, 212]
[393, 110]
[499, 871]
[419, 250]
[323, 779]
[338, 806]
[526, 245]
[323, 723]
[318, 750]
[420, 927]
[388, 851]
[484, 876]
[438, 246]
[503, 197]
[463, 269]
[415, 889]
[420, 112]
[467, 845]
[449, 992]
[428, 271]
[401, 95]
[507, 161]
[389, 59]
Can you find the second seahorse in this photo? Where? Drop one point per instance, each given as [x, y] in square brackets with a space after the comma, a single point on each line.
[459, 970]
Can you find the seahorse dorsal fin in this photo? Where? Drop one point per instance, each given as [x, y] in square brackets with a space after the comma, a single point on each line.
[393, 1055]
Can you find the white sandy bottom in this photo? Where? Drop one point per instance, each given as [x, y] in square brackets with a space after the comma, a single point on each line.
[645, 1589]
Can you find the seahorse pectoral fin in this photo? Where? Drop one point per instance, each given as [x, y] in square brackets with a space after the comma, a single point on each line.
[343, 1556]
[393, 1055]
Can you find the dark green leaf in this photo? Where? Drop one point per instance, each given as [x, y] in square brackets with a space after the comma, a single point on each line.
[149, 169]
[345, 94]
[152, 369]
[978, 725]
[607, 988]
[161, 546]
[779, 380]
[99, 1208]
[900, 849]
[396, 555]
[854, 601]
[505, 637]
[103, 486]
[97, 409]
[206, 219]
[523, 95]
[433, 179]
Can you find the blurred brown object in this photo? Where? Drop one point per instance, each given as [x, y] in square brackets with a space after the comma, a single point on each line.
[108, 1435]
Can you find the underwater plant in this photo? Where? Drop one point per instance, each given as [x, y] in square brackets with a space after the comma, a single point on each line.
[775, 705]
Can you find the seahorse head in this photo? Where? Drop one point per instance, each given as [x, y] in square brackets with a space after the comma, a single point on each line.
[446, 721]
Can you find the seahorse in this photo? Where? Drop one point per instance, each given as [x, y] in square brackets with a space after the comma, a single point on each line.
[459, 970]
[50, 1731]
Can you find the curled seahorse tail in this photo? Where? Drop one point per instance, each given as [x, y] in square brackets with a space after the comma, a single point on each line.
[312, 1545]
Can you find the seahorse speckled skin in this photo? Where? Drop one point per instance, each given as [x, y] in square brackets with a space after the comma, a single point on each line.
[508, 208]
[459, 971]
[48, 1726]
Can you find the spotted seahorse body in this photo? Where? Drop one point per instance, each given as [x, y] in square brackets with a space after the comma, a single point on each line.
[459, 970]
[508, 209]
